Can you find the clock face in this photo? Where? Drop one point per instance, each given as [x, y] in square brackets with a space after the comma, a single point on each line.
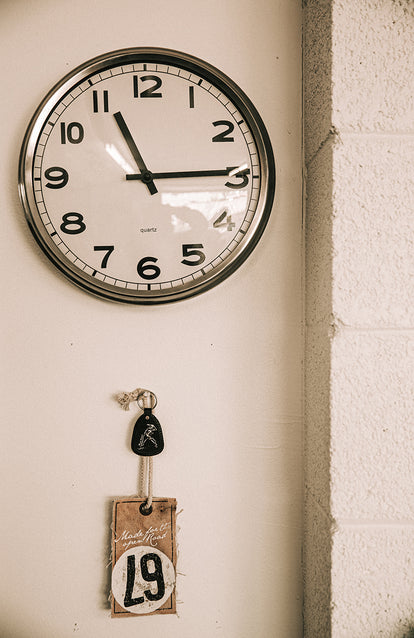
[146, 176]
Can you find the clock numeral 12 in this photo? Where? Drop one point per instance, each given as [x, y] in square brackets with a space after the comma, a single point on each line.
[150, 91]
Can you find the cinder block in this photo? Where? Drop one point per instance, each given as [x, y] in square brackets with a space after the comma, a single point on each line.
[373, 231]
[373, 51]
[372, 446]
[373, 582]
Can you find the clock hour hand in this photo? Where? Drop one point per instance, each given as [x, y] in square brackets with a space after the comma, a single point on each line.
[232, 170]
[145, 175]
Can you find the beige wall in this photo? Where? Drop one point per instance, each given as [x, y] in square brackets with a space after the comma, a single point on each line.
[359, 107]
[226, 366]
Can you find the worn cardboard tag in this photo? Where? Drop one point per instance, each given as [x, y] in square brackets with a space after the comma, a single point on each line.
[143, 557]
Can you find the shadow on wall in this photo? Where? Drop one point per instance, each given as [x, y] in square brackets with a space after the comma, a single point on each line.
[319, 136]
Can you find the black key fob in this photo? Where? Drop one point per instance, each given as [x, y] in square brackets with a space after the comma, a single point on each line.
[147, 438]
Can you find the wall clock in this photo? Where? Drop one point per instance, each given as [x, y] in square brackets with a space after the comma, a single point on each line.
[146, 175]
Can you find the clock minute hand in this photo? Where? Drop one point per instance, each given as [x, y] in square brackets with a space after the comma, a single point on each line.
[207, 173]
[145, 174]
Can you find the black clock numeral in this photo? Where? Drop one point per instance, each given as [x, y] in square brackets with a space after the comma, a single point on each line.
[244, 180]
[96, 101]
[58, 177]
[108, 250]
[72, 132]
[224, 135]
[150, 91]
[192, 250]
[191, 96]
[72, 224]
[148, 270]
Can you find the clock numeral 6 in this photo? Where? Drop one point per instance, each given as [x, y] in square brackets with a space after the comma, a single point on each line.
[147, 269]
[57, 176]
[72, 224]
[192, 250]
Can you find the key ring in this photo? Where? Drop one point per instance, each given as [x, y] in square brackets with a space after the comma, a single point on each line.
[147, 399]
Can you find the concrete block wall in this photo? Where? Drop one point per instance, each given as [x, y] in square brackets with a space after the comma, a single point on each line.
[359, 483]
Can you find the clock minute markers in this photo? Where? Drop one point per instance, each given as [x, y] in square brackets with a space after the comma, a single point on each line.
[145, 175]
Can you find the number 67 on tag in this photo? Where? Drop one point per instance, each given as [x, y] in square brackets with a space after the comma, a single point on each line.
[144, 556]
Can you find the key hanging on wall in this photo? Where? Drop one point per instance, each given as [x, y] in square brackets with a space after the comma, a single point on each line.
[144, 527]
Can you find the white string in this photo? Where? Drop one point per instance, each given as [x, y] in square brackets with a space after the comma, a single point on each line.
[146, 480]
[150, 479]
[125, 398]
[142, 480]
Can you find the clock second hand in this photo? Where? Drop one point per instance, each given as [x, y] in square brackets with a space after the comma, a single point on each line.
[145, 175]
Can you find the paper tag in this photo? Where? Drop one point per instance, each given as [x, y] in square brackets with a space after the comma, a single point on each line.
[143, 557]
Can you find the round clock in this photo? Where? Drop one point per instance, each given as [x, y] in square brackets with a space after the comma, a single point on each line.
[146, 175]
